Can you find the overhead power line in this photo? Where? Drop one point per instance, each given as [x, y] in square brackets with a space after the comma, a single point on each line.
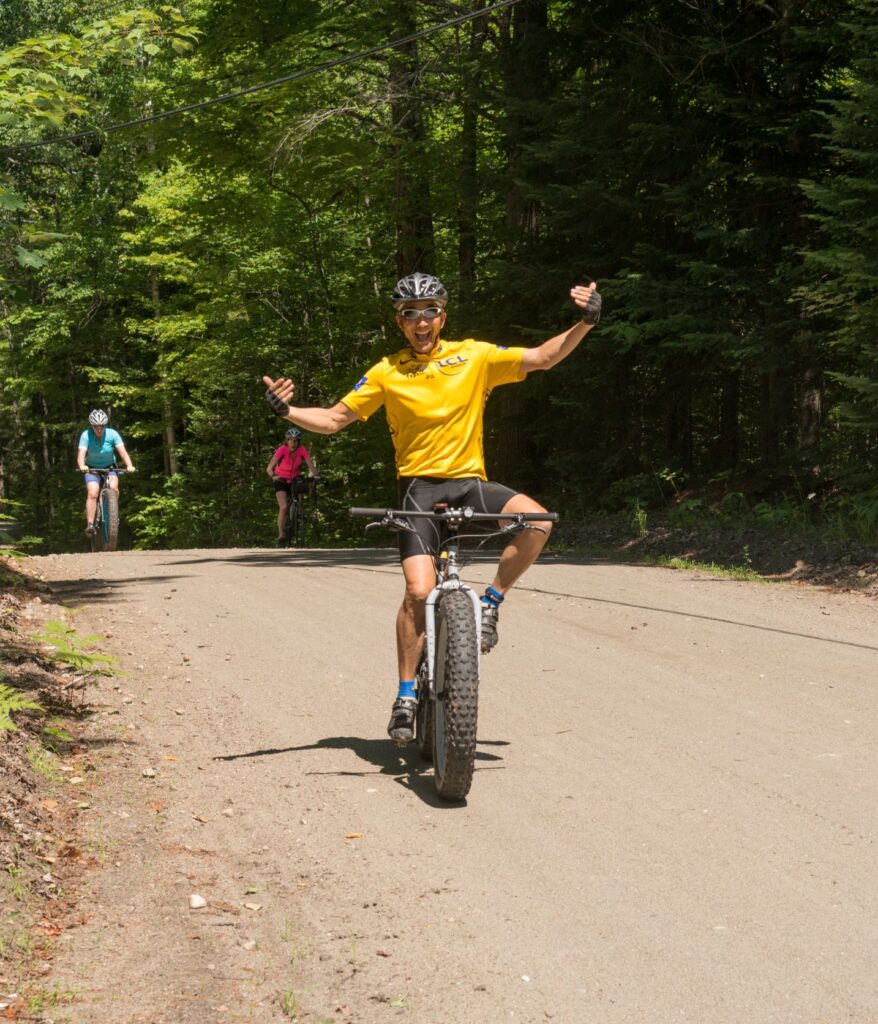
[293, 77]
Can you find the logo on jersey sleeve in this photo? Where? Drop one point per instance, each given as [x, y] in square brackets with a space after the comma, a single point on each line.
[360, 383]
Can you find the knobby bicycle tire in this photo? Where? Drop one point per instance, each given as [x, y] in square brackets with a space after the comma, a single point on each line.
[294, 523]
[108, 529]
[424, 730]
[455, 712]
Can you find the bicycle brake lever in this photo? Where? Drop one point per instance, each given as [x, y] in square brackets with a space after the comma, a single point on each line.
[391, 523]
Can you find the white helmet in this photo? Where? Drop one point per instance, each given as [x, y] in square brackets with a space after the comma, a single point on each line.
[98, 418]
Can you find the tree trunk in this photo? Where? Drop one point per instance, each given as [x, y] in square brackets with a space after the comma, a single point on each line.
[415, 244]
[729, 433]
[811, 408]
[169, 434]
[527, 81]
[47, 463]
[468, 204]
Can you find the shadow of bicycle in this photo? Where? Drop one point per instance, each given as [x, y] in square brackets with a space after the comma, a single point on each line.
[403, 764]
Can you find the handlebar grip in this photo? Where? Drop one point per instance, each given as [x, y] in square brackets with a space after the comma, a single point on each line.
[368, 511]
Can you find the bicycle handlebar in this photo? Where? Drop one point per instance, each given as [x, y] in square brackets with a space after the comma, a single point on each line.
[468, 514]
[103, 469]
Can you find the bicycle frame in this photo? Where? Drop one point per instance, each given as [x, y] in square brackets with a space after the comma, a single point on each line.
[100, 538]
[447, 699]
[447, 566]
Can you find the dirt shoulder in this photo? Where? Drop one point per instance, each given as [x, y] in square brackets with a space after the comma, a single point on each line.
[837, 564]
[45, 764]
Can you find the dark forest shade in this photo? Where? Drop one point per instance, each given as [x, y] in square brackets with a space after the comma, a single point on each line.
[712, 168]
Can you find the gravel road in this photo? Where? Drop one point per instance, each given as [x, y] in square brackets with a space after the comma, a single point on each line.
[673, 816]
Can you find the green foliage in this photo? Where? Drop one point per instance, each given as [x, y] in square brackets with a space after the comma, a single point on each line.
[67, 647]
[713, 169]
[638, 520]
[12, 701]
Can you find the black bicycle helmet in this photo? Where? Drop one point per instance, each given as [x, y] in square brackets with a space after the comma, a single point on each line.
[418, 286]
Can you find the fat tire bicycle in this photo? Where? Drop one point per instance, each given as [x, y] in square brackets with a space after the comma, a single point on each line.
[447, 677]
[106, 522]
[294, 524]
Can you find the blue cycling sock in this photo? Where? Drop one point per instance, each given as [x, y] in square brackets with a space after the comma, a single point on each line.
[406, 688]
[492, 598]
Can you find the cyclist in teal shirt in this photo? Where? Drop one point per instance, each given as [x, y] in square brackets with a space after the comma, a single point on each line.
[98, 445]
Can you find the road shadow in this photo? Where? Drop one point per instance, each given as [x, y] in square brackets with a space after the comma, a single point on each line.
[384, 561]
[98, 590]
[403, 764]
[295, 558]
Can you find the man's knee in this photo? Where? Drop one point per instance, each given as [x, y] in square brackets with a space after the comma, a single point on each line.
[417, 591]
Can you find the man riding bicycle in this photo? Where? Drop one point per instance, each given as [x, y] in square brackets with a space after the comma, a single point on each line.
[434, 393]
[98, 445]
[285, 469]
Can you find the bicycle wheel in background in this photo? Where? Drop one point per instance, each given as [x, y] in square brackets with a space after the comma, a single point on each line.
[455, 712]
[294, 522]
[424, 729]
[108, 528]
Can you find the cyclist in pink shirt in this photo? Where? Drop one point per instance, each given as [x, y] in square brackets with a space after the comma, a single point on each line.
[285, 469]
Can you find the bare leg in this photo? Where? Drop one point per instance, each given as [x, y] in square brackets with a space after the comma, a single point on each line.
[420, 578]
[282, 504]
[91, 502]
[522, 551]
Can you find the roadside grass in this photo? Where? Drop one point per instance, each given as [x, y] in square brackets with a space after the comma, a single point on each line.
[42, 999]
[42, 762]
[736, 572]
[296, 945]
[289, 1004]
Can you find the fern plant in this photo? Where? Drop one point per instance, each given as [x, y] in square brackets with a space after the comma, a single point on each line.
[11, 701]
[67, 647]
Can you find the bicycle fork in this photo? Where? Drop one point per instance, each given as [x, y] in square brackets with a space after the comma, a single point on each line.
[430, 617]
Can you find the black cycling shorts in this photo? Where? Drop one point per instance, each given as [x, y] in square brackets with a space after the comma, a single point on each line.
[290, 487]
[422, 492]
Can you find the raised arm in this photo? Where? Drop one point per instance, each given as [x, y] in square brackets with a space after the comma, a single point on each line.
[552, 351]
[318, 421]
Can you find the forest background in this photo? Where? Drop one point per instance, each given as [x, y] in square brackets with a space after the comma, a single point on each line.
[713, 165]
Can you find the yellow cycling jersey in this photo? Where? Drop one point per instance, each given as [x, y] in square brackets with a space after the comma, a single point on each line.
[435, 404]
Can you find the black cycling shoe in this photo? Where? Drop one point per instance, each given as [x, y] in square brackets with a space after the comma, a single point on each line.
[281, 542]
[90, 530]
[402, 720]
[490, 615]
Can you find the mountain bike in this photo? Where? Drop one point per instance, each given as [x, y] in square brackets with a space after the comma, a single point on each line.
[294, 527]
[106, 532]
[447, 678]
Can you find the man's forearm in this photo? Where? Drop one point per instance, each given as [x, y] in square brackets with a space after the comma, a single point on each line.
[553, 351]
[317, 421]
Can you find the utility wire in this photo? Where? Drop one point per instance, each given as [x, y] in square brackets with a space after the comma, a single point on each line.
[295, 76]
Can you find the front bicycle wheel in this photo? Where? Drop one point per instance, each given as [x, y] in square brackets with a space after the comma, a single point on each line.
[424, 731]
[294, 529]
[108, 528]
[455, 711]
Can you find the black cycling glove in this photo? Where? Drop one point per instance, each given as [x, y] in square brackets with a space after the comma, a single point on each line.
[592, 312]
[278, 406]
